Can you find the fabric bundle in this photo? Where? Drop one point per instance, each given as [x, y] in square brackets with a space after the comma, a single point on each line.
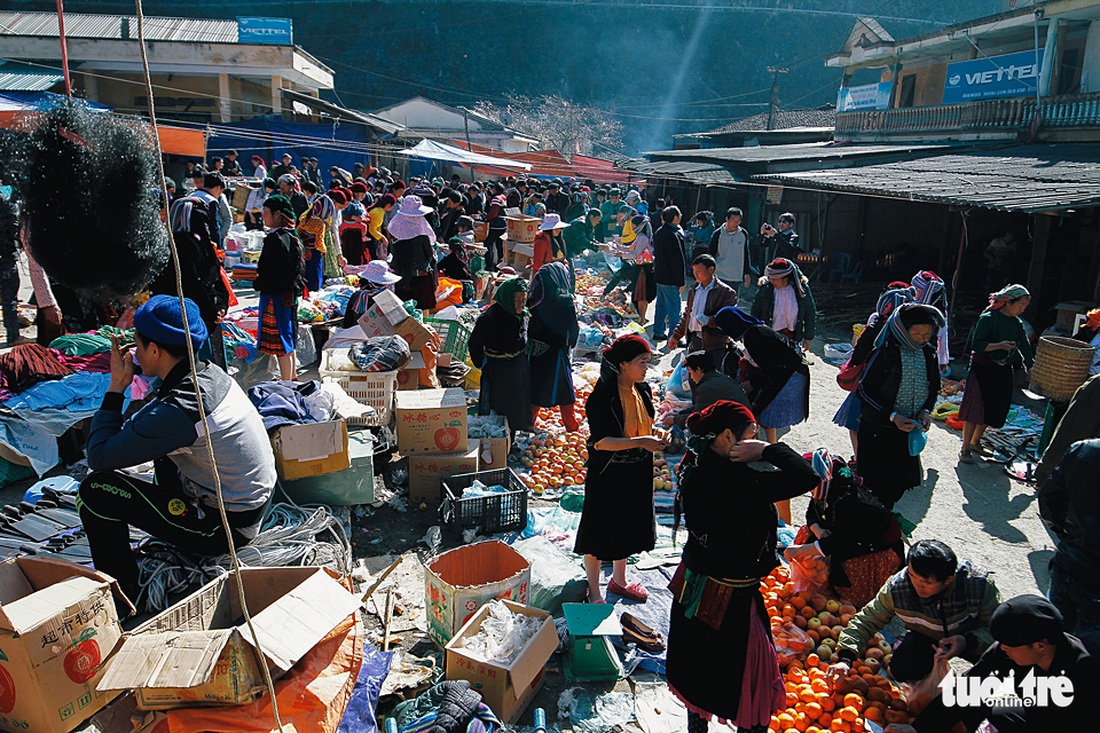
[28, 364]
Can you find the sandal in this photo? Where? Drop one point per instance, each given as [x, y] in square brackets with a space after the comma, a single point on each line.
[630, 591]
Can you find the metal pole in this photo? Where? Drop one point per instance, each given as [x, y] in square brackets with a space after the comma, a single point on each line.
[466, 122]
[64, 49]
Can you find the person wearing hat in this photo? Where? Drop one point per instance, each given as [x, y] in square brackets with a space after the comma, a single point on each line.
[353, 235]
[785, 303]
[282, 168]
[230, 166]
[617, 519]
[946, 606]
[610, 210]
[556, 201]
[582, 233]
[718, 609]
[311, 172]
[498, 347]
[1032, 648]
[280, 277]
[634, 200]
[375, 277]
[181, 505]
[289, 187]
[456, 264]
[549, 244]
[253, 208]
[413, 250]
[259, 170]
[553, 333]
[498, 226]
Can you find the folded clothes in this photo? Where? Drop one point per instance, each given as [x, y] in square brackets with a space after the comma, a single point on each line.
[81, 344]
[28, 364]
[77, 392]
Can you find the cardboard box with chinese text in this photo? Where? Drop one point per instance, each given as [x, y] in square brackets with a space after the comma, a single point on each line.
[431, 421]
[57, 625]
[506, 688]
[459, 582]
[426, 472]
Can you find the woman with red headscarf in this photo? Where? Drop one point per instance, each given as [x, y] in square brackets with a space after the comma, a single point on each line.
[717, 610]
[617, 520]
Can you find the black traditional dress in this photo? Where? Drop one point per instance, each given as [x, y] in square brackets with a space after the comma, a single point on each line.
[554, 331]
[498, 346]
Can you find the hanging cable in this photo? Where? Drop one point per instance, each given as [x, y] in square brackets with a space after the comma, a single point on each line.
[192, 364]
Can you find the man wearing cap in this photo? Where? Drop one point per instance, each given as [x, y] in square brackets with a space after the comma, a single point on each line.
[1051, 674]
[282, 168]
[181, 505]
[556, 201]
[311, 172]
[288, 186]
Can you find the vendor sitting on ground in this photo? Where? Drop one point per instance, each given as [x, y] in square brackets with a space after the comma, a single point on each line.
[180, 506]
[708, 385]
[945, 606]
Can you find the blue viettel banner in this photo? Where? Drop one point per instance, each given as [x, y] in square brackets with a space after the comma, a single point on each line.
[268, 31]
[1010, 75]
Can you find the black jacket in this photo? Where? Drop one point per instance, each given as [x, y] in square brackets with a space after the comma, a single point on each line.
[781, 244]
[1070, 506]
[604, 411]
[729, 510]
[281, 268]
[776, 359]
[668, 255]
[763, 307]
[878, 388]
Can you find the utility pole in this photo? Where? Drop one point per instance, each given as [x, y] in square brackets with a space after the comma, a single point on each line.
[774, 106]
[466, 122]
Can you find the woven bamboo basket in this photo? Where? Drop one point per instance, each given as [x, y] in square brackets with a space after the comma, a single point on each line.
[1061, 366]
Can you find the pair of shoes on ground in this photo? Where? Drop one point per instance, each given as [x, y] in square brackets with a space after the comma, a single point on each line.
[973, 455]
[635, 632]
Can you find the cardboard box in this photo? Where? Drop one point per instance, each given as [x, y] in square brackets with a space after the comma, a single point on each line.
[311, 449]
[383, 317]
[343, 488]
[431, 421]
[506, 688]
[409, 377]
[459, 582]
[416, 333]
[427, 471]
[57, 624]
[196, 652]
[494, 451]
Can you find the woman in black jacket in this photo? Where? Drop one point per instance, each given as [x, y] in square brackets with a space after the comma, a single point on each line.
[280, 277]
[413, 249]
[717, 609]
[498, 347]
[785, 302]
[897, 393]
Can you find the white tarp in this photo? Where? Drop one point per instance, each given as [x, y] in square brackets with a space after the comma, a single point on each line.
[432, 150]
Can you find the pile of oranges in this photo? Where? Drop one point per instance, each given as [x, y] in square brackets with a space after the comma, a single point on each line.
[814, 704]
[555, 461]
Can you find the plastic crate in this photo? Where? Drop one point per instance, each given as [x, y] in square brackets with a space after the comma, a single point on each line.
[454, 337]
[376, 389]
[502, 512]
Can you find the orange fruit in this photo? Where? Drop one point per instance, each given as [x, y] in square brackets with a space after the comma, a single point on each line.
[828, 704]
[792, 699]
[853, 701]
[874, 715]
[848, 713]
[825, 720]
[812, 710]
[813, 660]
[784, 721]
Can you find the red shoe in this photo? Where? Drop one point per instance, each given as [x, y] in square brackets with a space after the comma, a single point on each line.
[630, 591]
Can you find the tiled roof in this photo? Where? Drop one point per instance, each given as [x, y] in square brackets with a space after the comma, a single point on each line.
[785, 119]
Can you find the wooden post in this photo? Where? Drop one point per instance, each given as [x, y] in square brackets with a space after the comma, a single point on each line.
[64, 49]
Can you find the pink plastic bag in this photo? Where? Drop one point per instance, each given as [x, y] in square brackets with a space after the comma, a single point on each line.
[809, 574]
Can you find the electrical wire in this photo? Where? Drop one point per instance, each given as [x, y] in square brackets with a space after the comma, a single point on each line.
[192, 363]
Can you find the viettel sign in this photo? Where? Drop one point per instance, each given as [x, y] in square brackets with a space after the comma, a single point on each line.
[267, 31]
[1009, 75]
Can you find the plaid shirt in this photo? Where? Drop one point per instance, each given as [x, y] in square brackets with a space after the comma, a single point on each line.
[965, 608]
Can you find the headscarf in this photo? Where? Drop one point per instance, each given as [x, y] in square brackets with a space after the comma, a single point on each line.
[928, 288]
[281, 205]
[906, 316]
[1008, 293]
[888, 302]
[505, 296]
[736, 322]
[550, 299]
[386, 199]
[782, 267]
[410, 222]
[626, 347]
[458, 249]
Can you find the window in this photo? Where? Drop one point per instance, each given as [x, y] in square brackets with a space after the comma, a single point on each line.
[908, 90]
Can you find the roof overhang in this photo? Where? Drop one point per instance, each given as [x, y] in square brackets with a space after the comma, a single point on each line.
[1026, 178]
[321, 106]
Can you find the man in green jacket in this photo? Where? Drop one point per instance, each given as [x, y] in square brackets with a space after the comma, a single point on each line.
[945, 606]
[610, 211]
[581, 233]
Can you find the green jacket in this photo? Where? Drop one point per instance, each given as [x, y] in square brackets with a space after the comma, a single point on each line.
[579, 236]
[610, 212]
[993, 327]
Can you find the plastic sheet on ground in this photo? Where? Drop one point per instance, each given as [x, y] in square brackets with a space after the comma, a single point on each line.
[656, 709]
[556, 577]
[601, 712]
[654, 613]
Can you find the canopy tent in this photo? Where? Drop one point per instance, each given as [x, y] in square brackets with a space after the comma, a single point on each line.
[432, 150]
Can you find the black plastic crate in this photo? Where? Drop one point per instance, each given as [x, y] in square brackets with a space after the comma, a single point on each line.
[503, 512]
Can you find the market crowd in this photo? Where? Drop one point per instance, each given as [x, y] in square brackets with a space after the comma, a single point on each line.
[744, 313]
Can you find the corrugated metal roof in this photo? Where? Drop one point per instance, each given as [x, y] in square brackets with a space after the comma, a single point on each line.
[1026, 178]
[82, 25]
[785, 119]
[700, 173]
[788, 153]
[19, 78]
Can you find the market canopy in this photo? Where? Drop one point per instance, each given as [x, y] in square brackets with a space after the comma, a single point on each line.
[432, 150]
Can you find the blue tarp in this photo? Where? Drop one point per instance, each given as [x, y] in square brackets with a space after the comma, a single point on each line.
[281, 137]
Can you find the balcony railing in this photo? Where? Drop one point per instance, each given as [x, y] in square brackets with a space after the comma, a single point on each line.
[991, 116]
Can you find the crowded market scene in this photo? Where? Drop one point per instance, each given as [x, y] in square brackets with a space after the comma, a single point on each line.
[302, 436]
